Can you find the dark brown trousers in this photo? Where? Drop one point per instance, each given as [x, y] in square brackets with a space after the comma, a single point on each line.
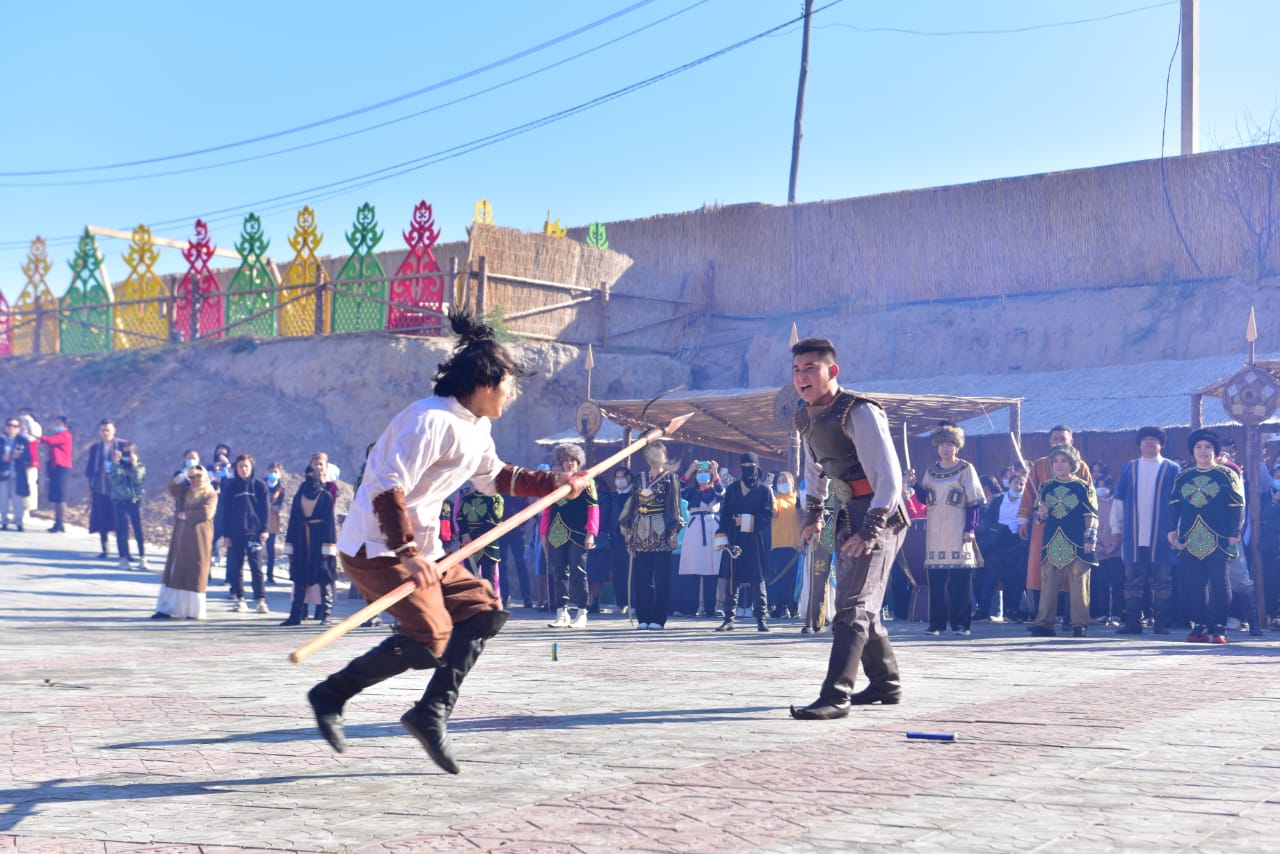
[426, 615]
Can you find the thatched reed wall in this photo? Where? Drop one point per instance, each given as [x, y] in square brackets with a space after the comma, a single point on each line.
[511, 252]
[1041, 233]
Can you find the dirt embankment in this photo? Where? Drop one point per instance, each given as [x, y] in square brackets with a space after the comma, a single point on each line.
[281, 399]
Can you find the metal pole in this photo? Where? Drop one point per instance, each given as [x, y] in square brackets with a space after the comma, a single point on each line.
[804, 76]
[1190, 76]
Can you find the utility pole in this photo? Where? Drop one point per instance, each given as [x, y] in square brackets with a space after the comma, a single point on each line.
[1190, 76]
[804, 75]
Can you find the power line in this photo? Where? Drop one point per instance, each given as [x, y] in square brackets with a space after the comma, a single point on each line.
[368, 128]
[1010, 30]
[336, 188]
[349, 114]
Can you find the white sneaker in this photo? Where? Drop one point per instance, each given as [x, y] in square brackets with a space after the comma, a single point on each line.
[580, 621]
[124, 564]
[142, 563]
[1234, 624]
[262, 607]
[640, 626]
[241, 606]
[561, 621]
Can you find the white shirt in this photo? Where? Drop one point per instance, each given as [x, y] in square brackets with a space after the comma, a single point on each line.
[1009, 511]
[429, 450]
[1148, 471]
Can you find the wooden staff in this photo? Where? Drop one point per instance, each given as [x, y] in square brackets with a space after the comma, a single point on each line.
[375, 607]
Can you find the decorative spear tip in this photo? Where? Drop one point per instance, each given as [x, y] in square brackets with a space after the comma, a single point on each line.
[676, 423]
[795, 336]
[591, 358]
[1251, 329]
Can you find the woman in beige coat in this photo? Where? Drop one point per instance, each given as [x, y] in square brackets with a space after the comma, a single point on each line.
[186, 569]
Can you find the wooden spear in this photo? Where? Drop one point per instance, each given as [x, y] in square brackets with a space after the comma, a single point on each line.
[336, 631]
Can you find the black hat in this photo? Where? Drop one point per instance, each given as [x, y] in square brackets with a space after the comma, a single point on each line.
[1155, 433]
[749, 459]
[1203, 435]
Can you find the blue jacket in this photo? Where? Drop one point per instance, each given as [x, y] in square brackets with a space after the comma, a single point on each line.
[1164, 520]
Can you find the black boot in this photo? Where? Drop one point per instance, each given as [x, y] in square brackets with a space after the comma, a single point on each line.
[881, 668]
[727, 625]
[842, 668]
[428, 720]
[390, 658]
[297, 613]
[325, 609]
[761, 625]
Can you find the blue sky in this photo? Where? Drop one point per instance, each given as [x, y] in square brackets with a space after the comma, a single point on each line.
[88, 85]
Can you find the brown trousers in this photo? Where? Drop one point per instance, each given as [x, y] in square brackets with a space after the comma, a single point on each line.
[427, 614]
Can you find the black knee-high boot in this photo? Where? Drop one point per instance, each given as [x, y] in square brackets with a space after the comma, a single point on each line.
[881, 668]
[298, 607]
[390, 658]
[428, 720]
[324, 611]
[842, 669]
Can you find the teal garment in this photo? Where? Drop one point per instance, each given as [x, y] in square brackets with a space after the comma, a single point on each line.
[1209, 506]
[478, 514]
[684, 517]
[1072, 510]
[126, 482]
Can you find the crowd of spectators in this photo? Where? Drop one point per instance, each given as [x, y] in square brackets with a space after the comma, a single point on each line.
[1053, 542]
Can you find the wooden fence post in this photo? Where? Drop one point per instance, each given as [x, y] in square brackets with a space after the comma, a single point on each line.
[195, 311]
[481, 287]
[35, 341]
[454, 296]
[319, 325]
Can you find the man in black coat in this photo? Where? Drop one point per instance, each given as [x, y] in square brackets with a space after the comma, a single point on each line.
[242, 519]
[745, 515]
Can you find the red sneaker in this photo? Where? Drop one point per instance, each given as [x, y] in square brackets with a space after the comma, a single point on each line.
[1199, 634]
[1218, 639]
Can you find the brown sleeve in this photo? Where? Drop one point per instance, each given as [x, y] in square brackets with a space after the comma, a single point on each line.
[513, 480]
[393, 520]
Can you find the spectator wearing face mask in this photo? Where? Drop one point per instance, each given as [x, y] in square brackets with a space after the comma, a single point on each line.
[619, 555]
[311, 543]
[698, 572]
[785, 551]
[126, 479]
[745, 517]
[275, 503]
[219, 471]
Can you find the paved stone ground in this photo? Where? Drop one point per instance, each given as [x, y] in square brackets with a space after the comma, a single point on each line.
[119, 734]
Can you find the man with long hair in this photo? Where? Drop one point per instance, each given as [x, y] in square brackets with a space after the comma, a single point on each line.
[391, 536]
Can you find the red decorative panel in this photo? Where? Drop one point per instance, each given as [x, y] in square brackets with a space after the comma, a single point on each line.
[410, 296]
[200, 280]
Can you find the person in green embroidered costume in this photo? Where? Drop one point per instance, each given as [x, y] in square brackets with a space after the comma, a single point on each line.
[1068, 509]
[478, 514]
[1208, 502]
[569, 528]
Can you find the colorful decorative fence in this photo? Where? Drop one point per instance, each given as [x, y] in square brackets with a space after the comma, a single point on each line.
[258, 300]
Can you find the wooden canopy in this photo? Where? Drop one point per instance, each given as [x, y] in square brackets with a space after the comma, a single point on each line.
[760, 419]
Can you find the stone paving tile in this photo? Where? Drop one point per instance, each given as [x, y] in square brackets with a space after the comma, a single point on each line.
[629, 742]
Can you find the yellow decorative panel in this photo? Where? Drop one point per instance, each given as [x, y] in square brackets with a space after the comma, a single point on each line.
[35, 293]
[297, 296]
[142, 303]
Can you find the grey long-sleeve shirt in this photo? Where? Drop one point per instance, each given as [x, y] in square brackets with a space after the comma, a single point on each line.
[869, 427]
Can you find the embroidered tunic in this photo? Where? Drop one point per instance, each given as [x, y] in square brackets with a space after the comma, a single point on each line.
[651, 517]
[569, 520]
[479, 514]
[952, 495]
[1209, 506]
[1072, 508]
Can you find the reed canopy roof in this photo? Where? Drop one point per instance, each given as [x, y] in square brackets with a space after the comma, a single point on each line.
[760, 419]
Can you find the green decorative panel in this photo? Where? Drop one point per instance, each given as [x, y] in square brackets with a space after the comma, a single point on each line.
[360, 288]
[85, 320]
[251, 297]
[596, 236]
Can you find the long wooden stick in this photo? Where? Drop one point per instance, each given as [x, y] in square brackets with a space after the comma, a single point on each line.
[336, 631]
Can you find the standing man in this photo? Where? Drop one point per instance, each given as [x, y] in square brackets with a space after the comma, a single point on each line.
[102, 511]
[428, 450]
[746, 515]
[15, 458]
[1030, 527]
[1141, 519]
[851, 454]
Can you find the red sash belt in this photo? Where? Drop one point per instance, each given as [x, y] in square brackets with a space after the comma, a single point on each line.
[860, 487]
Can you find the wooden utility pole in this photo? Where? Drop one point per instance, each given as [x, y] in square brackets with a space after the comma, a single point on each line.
[804, 76]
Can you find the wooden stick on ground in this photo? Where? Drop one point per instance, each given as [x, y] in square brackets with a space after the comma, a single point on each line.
[337, 630]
